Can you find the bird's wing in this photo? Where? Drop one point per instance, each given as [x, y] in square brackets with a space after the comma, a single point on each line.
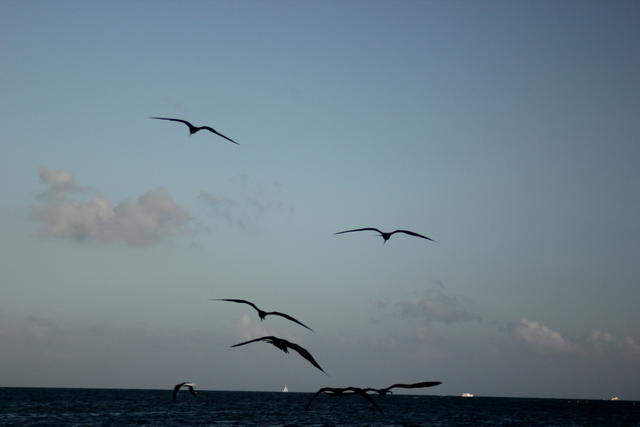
[254, 340]
[304, 353]
[413, 234]
[360, 229]
[218, 133]
[173, 120]
[286, 316]
[192, 390]
[241, 301]
[416, 385]
[176, 389]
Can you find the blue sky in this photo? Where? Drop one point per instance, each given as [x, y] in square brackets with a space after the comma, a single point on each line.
[505, 130]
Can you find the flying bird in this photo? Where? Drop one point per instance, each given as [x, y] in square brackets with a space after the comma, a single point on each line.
[285, 345]
[177, 388]
[263, 313]
[193, 129]
[384, 391]
[339, 392]
[386, 236]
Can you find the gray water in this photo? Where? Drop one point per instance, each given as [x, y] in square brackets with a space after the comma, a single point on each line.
[46, 406]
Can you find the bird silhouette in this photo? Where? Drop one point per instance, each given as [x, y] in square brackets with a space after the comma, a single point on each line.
[386, 390]
[263, 313]
[177, 388]
[343, 391]
[285, 345]
[193, 129]
[386, 236]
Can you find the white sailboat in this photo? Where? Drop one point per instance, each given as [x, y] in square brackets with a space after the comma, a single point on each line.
[285, 389]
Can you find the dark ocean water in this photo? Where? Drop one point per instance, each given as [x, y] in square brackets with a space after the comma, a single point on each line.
[46, 406]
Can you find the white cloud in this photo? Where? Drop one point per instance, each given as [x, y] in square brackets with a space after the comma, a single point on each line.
[142, 222]
[598, 343]
[599, 336]
[602, 342]
[59, 183]
[56, 179]
[541, 338]
[631, 345]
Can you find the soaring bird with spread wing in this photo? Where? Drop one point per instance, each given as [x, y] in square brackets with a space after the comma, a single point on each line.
[193, 129]
[385, 236]
[285, 345]
[343, 391]
[263, 313]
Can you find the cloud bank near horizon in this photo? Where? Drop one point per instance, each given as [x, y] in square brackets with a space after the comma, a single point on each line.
[546, 341]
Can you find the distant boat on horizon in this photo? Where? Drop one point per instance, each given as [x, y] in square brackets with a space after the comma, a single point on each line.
[285, 389]
[467, 395]
[614, 398]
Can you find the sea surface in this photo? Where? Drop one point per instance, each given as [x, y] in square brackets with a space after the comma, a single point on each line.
[47, 406]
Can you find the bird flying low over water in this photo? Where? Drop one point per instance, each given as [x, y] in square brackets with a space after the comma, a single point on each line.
[339, 392]
[193, 129]
[386, 236]
[285, 345]
[177, 388]
[384, 391]
[263, 313]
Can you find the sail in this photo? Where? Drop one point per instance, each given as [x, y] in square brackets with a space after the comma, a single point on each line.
[285, 389]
